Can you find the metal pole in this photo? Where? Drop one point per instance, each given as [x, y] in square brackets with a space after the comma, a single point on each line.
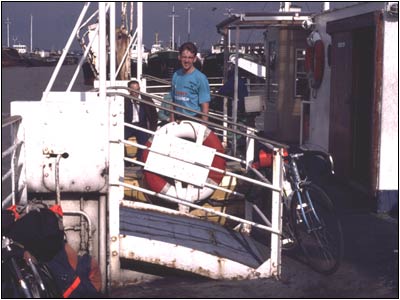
[139, 29]
[276, 220]
[229, 14]
[173, 16]
[236, 84]
[102, 51]
[8, 31]
[173, 28]
[189, 9]
[103, 240]
[31, 31]
[112, 44]
[65, 50]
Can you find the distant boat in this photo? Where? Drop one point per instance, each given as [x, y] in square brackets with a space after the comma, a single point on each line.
[22, 49]
[213, 65]
[162, 62]
[37, 61]
[134, 56]
[10, 58]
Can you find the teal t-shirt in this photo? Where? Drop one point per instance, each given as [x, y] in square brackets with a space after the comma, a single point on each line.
[190, 90]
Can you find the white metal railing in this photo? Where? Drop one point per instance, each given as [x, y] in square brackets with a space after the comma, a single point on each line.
[273, 226]
[13, 179]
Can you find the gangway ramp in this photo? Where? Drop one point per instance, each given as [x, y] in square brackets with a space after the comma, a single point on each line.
[188, 243]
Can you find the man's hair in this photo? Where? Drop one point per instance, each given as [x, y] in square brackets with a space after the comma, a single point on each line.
[133, 82]
[188, 46]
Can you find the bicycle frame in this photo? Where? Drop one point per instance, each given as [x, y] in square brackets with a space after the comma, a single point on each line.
[13, 267]
[293, 176]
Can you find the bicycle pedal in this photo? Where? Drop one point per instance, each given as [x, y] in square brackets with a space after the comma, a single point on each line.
[287, 241]
[304, 205]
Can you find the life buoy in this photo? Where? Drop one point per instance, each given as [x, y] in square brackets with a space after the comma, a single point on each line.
[315, 60]
[190, 130]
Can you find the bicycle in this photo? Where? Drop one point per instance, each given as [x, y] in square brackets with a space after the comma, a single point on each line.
[309, 220]
[23, 276]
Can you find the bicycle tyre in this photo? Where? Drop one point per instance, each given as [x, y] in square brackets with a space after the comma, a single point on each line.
[51, 289]
[322, 246]
[34, 289]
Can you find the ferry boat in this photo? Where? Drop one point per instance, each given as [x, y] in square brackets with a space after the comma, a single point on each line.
[166, 213]
[68, 148]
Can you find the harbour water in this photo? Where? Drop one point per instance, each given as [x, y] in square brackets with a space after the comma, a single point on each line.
[28, 84]
[24, 83]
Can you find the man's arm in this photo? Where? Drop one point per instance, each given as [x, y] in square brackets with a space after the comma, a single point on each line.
[204, 109]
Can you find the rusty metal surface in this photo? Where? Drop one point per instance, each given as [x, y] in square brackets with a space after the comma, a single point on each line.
[191, 233]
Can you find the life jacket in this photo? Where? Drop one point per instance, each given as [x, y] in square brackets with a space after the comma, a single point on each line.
[73, 283]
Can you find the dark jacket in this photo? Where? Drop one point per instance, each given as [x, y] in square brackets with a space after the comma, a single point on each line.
[148, 117]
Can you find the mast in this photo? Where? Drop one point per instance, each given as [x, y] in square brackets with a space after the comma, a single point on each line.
[139, 26]
[173, 16]
[285, 6]
[31, 31]
[189, 9]
[8, 31]
[229, 14]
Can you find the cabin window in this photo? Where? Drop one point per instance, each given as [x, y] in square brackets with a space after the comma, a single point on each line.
[302, 89]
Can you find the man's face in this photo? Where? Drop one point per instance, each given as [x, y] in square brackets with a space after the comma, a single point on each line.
[134, 86]
[187, 59]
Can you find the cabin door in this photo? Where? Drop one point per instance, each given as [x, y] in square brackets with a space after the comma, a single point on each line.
[341, 100]
[353, 76]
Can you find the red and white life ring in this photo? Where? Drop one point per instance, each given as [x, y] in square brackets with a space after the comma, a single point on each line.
[315, 60]
[189, 130]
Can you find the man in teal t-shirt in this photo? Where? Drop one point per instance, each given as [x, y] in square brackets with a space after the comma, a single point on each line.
[189, 86]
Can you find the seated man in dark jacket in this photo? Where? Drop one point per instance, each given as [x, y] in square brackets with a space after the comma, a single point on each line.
[139, 114]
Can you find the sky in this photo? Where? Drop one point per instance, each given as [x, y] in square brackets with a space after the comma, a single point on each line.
[54, 21]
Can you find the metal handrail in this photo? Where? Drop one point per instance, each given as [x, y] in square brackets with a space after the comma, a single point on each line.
[12, 172]
[267, 142]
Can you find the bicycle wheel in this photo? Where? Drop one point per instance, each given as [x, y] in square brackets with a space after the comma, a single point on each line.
[19, 281]
[22, 280]
[317, 228]
[50, 287]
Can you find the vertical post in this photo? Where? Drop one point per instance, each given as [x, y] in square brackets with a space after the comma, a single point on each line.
[65, 50]
[173, 16]
[102, 50]
[8, 31]
[173, 28]
[249, 147]
[189, 9]
[103, 240]
[139, 29]
[229, 14]
[225, 103]
[115, 162]
[276, 219]
[31, 31]
[236, 84]
[112, 44]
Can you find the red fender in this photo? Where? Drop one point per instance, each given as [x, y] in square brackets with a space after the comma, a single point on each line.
[314, 63]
